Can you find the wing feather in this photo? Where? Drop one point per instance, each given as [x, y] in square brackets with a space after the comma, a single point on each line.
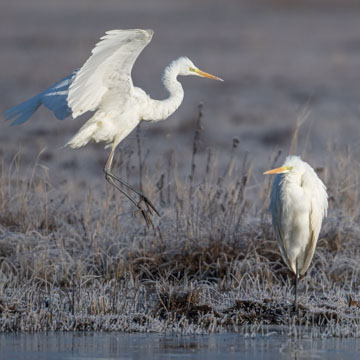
[276, 209]
[108, 68]
[54, 98]
[318, 210]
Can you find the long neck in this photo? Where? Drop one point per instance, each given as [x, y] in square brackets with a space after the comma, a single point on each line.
[161, 109]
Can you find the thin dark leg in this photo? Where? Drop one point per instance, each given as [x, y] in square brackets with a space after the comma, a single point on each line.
[148, 203]
[111, 178]
[296, 285]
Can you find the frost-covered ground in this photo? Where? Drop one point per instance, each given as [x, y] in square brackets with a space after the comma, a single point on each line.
[72, 255]
[210, 264]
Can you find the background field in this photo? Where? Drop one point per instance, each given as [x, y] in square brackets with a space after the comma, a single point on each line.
[73, 255]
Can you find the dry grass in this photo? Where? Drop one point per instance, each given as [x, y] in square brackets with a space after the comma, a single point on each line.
[210, 265]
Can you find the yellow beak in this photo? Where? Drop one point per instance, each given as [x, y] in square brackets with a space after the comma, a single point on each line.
[207, 75]
[280, 170]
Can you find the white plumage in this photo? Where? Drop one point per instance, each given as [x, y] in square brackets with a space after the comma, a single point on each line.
[104, 86]
[298, 205]
[108, 69]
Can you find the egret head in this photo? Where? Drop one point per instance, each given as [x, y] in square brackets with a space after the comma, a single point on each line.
[187, 67]
[291, 164]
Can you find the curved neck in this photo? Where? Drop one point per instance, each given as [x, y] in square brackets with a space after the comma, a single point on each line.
[161, 109]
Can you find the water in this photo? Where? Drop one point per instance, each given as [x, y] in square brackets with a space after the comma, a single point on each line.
[54, 346]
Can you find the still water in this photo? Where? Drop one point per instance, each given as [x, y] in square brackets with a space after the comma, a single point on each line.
[56, 346]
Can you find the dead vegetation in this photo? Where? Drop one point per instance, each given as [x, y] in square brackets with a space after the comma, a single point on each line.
[211, 263]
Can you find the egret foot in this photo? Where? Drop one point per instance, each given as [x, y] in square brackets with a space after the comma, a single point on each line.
[148, 204]
[146, 213]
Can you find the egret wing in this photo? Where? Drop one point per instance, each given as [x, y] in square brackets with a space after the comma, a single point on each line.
[318, 210]
[54, 98]
[108, 68]
[276, 209]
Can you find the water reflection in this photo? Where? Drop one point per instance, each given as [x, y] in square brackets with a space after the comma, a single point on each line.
[55, 346]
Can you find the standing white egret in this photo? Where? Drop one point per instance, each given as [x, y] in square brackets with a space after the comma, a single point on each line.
[298, 205]
[104, 85]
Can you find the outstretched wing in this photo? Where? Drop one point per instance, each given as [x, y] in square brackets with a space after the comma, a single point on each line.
[108, 68]
[54, 98]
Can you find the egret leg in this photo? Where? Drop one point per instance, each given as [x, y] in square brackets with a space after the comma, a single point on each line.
[296, 285]
[111, 179]
[143, 198]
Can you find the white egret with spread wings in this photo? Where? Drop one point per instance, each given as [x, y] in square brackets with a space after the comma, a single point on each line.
[298, 205]
[104, 86]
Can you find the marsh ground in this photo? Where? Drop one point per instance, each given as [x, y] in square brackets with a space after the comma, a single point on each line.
[72, 255]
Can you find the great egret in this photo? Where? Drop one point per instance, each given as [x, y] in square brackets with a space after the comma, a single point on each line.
[103, 85]
[298, 205]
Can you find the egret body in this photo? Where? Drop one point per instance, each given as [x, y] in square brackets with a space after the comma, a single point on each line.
[104, 86]
[298, 205]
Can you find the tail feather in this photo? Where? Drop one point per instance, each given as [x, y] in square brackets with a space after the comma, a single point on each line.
[22, 112]
[83, 136]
